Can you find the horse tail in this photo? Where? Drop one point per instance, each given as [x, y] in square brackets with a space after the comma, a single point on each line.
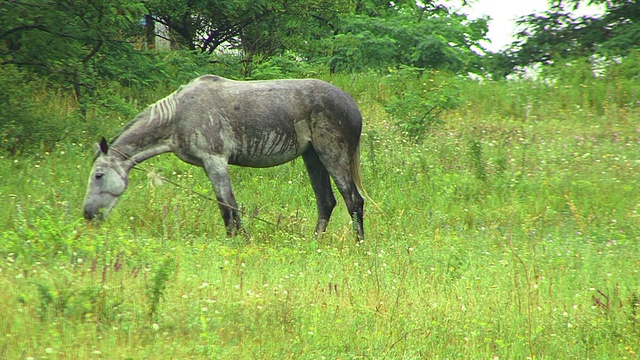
[355, 173]
[355, 170]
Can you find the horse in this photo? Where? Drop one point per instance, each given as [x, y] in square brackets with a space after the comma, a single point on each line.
[213, 122]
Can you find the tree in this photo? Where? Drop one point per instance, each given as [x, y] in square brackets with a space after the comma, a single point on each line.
[354, 35]
[423, 36]
[253, 25]
[558, 36]
[61, 39]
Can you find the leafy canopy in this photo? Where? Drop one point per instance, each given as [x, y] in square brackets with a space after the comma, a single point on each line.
[60, 39]
[413, 36]
[557, 35]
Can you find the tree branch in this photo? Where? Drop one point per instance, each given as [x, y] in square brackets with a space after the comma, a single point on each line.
[94, 51]
[21, 28]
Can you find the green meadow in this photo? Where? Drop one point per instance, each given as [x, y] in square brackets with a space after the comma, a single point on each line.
[507, 227]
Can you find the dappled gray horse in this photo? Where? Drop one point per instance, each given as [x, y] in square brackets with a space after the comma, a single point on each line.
[212, 122]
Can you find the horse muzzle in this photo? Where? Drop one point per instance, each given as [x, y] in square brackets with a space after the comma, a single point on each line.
[94, 214]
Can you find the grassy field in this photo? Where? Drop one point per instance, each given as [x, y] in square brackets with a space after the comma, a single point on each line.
[510, 231]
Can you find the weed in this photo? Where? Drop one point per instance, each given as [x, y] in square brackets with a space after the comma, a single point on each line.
[475, 152]
[158, 284]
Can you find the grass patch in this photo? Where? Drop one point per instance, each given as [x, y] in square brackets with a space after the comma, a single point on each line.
[505, 233]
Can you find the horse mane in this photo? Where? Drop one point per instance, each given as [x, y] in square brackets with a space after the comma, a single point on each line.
[160, 112]
[163, 110]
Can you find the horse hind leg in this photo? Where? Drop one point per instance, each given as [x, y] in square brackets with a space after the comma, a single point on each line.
[321, 183]
[342, 168]
[354, 202]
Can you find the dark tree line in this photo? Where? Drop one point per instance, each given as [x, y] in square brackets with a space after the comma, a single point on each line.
[74, 41]
[77, 42]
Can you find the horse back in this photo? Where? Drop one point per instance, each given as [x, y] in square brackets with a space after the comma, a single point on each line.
[263, 123]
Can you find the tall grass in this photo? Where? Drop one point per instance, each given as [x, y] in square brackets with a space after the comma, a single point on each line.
[510, 231]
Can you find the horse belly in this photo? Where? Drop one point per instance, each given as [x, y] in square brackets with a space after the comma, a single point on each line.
[269, 149]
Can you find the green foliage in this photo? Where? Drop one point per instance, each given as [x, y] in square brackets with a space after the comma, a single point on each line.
[42, 238]
[30, 123]
[158, 285]
[348, 36]
[362, 51]
[439, 40]
[61, 300]
[60, 40]
[27, 125]
[288, 65]
[558, 36]
[180, 67]
[628, 69]
[616, 32]
[575, 87]
[477, 159]
[418, 98]
[93, 50]
[16, 110]
[255, 27]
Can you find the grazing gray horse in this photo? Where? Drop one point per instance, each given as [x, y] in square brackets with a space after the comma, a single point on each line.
[212, 122]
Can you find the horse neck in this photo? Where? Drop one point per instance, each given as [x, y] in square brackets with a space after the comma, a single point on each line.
[147, 135]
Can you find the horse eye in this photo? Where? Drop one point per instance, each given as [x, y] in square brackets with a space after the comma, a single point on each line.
[99, 176]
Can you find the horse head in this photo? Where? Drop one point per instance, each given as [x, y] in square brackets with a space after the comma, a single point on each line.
[107, 181]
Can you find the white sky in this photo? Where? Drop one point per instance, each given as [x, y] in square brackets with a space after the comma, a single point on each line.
[504, 13]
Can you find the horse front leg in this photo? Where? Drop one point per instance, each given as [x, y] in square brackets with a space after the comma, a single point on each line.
[218, 173]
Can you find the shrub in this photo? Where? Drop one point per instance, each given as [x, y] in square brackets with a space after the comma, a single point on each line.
[419, 99]
[26, 124]
[286, 65]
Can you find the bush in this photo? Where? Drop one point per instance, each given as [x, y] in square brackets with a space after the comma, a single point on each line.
[287, 65]
[419, 99]
[26, 125]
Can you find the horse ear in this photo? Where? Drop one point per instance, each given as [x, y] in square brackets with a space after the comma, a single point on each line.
[104, 147]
